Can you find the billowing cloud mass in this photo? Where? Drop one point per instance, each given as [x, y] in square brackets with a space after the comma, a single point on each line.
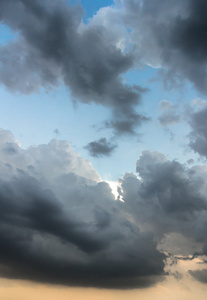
[169, 198]
[170, 201]
[61, 224]
[99, 148]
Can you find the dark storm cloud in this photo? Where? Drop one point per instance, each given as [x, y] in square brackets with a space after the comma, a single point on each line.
[99, 148]
[52, 46]
[184, 41]
[59, 225]
[198, 135]
[169, 198]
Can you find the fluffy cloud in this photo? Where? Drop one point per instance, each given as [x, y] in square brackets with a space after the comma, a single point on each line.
[61, 224]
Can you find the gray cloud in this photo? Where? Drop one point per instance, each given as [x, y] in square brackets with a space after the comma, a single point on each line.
[99, 148]
[169, 34]
[198, 134]
[168, 199]
[60, 224]
[178, 31]
[53, 46]
[200, 275]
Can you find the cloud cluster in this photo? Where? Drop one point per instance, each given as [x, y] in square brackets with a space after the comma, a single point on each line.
[53, 46]
[61, 224]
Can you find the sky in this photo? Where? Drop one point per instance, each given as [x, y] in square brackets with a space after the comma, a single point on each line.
[103, 148]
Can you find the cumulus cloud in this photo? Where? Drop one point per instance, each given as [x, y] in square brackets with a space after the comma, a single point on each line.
[99, 148]
[61, 224]
[168, 199]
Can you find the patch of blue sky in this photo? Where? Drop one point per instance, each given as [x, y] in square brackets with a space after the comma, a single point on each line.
[92, 6]
[6, 34]
[157, 91]
[33, 118]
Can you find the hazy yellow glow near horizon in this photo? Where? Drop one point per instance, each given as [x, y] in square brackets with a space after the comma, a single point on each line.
[171, 289]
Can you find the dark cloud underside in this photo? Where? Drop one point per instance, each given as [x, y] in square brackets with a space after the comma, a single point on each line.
[59, 225]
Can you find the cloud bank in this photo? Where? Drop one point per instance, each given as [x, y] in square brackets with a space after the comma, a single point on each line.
[61, 224]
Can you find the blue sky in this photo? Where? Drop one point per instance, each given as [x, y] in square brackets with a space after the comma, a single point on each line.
[97, 95]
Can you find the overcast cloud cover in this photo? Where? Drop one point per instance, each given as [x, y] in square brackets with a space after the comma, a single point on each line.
[60, 222]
